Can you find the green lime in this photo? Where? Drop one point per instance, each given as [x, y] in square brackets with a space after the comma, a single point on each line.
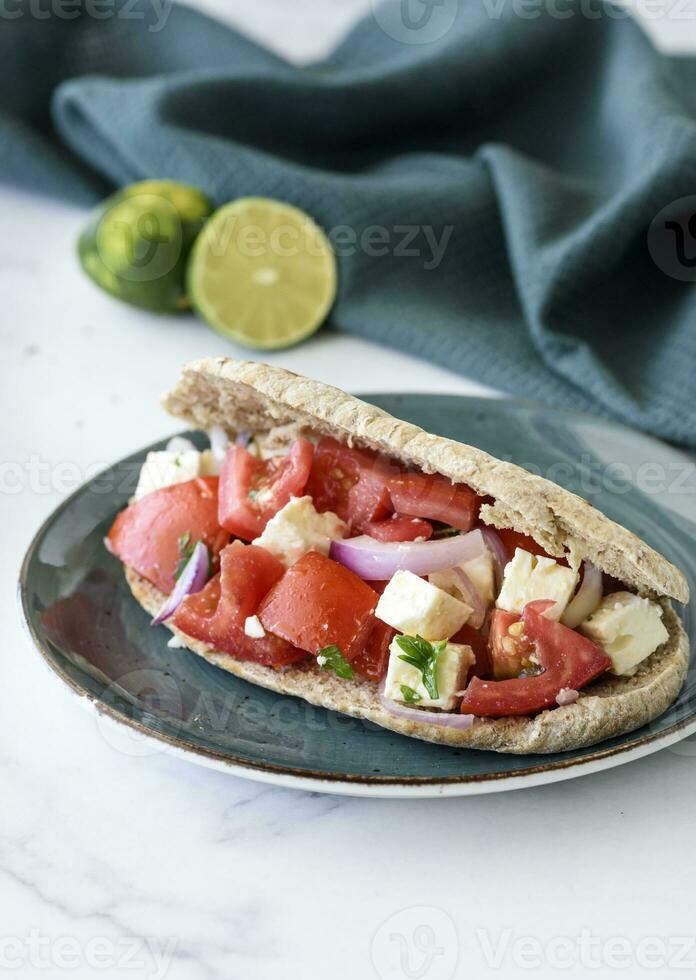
[262, 273]
[137, 243]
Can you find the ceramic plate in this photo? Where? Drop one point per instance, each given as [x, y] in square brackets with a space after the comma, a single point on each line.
[97, 640]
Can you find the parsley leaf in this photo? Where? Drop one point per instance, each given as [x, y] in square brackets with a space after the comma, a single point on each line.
[423, 655]
[331, 658]
[186, 547]
[410, 696]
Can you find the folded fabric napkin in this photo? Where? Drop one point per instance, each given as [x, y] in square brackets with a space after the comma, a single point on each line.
[489, 184]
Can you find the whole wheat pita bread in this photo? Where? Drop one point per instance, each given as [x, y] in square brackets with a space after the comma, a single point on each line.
[245, 395]
[609, 707]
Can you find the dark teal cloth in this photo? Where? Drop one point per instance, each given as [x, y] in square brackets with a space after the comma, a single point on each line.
[541, 148]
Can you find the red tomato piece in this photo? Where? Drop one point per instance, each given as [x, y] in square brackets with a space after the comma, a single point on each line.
[216, 614]
[436, 498]
[569, 660]
[350, 482]
[372, 662]
[146, 535]
[479, 644]
[515, 539]
[247, 574]
[318, 603]
[398, 528]
[253, 490]
[509, 648]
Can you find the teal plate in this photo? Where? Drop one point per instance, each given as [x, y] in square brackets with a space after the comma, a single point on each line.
[91, 632]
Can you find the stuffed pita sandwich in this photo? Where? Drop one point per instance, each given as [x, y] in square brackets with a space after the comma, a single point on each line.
[324, 549]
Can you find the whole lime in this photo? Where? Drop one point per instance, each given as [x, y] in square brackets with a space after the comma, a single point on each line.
[137, 243]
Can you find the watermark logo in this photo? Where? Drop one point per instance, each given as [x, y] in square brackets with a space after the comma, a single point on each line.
[672, 239]
[152, 14]
[38, 952]
[415, 21]
[417, 943]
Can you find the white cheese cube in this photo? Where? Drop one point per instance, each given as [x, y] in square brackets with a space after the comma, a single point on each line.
[298, 528]
[164, 469]
[451, 672]
[412, 605]
[254, 628]
[480, 573]
[528, 577]
[628, 628]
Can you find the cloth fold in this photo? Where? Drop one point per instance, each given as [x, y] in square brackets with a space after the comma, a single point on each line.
[495, 196]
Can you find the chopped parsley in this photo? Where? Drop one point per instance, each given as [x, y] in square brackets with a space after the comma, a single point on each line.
[409, 695]
[331, 658]
[423, 655]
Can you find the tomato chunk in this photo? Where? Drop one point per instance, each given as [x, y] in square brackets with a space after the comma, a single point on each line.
[436, 498]
[350, 482]
[372, 662]
[399, 528]
[569, 660]
[479, 644]
[247, 574]
[253, 490]
[216, 614]
[318, 603]
[146, 535]
[509, 648]
[515, 539]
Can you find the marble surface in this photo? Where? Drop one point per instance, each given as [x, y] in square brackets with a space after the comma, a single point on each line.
[117, 861]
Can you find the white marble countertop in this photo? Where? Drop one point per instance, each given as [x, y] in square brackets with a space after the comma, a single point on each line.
[114, 865]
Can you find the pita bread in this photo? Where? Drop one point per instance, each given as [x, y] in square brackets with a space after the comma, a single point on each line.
[608, 707]
[245, 395]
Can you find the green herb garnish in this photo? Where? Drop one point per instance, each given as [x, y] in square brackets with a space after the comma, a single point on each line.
[331, 658]
[423, 655]
[186, 547]
[409, 695]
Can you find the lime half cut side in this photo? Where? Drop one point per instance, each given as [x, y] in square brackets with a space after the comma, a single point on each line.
[262, 273]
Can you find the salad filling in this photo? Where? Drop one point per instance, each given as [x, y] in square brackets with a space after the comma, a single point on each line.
[290, 547]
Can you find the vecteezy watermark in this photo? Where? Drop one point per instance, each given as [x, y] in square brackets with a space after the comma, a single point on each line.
[587, 950]
[650, 10]
[417, 943]
[672, 239]
[36, 951]
[154, 14]
[415, 21]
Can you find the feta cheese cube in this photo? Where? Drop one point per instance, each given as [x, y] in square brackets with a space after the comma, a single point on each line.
[480, 573]
[451, 672]
[528, 577]
[628, 628]
[165, 468]
[253, 628]
[298, 528]
[412, 605]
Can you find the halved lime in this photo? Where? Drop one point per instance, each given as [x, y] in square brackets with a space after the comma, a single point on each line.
[262, 273]
[137, 243]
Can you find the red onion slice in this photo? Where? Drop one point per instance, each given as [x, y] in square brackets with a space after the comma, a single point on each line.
[192, 579]
[378, 560]
[443, 719]
[478, 606]
[586, 599]
[498, 551]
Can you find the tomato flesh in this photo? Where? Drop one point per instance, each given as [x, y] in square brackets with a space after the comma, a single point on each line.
[146, 535]
[350, 482]
[399, 528]
[479, 644]
[216, 614]
[253, 490]
[435, 498]
[372, 661]
[509, 648]
[515, 539]
[318, 603]
[569, 660]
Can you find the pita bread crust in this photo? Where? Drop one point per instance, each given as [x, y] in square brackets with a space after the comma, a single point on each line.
[609, 707]
[248, 395]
